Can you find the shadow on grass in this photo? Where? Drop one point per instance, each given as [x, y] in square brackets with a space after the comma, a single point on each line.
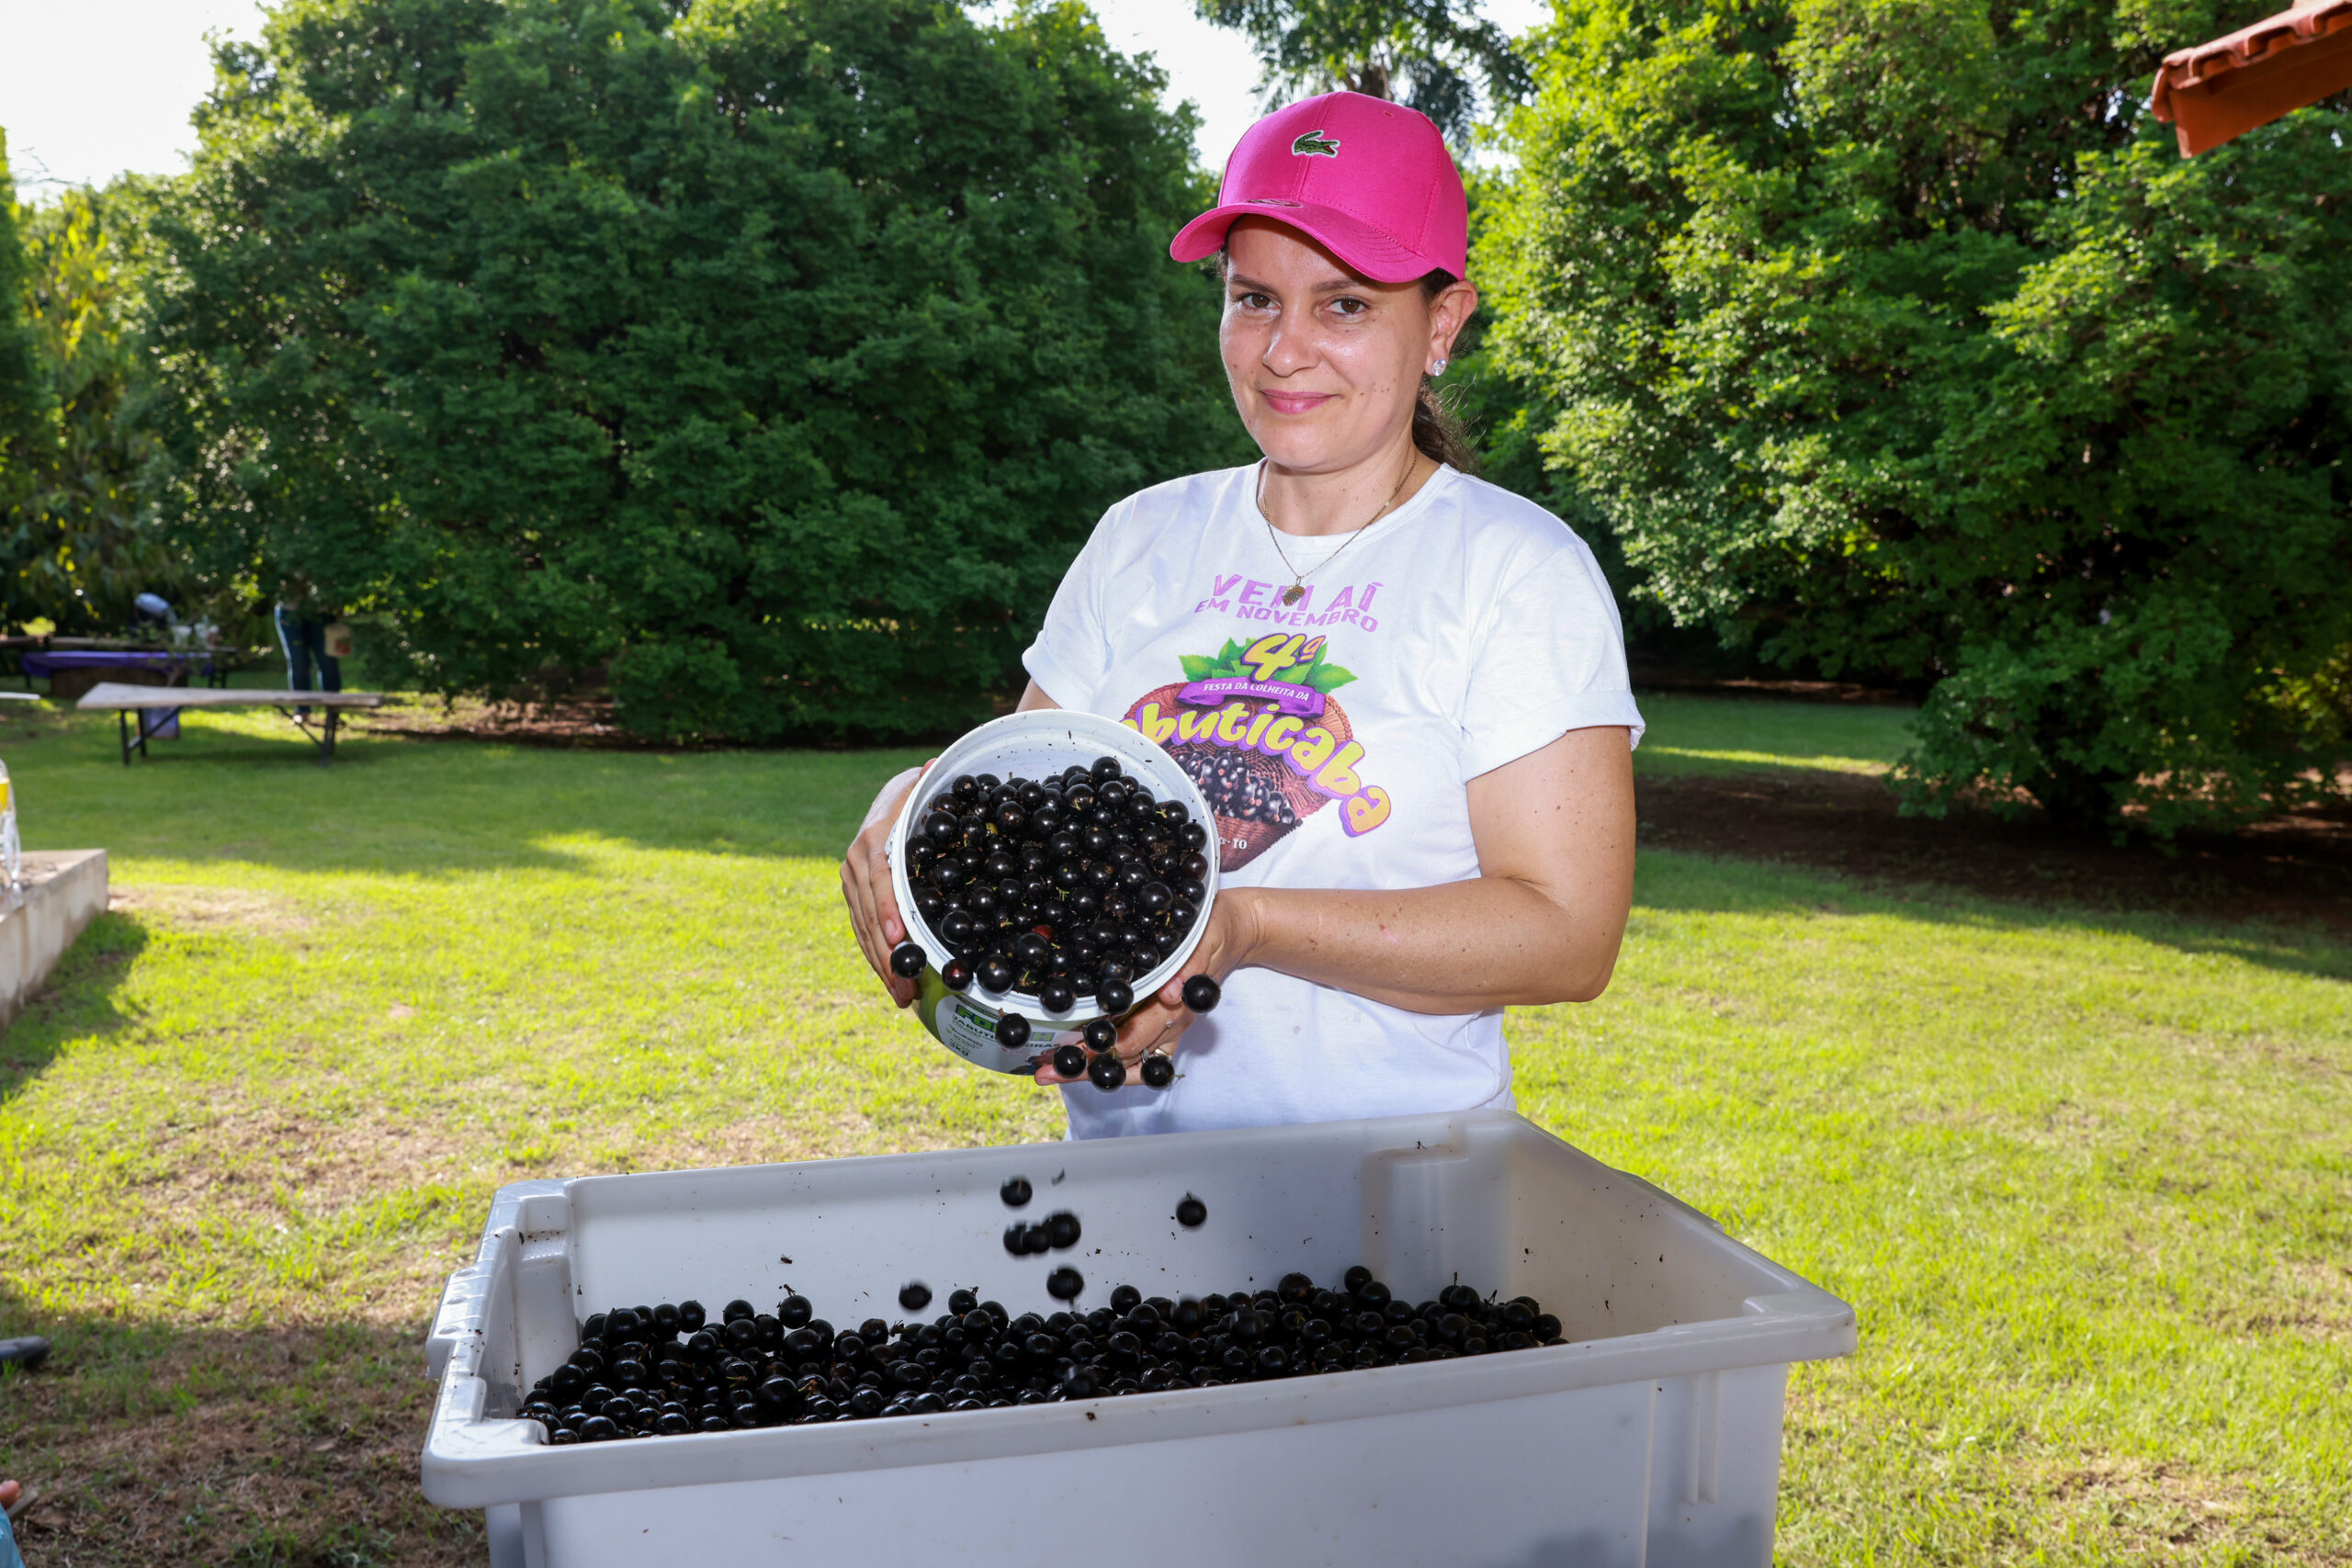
[414, 810]
[291, 1446]
[78, 1000]
[1684, 880]
[409, 809]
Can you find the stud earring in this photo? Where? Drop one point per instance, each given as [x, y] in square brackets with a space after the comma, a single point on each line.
[1439, 368]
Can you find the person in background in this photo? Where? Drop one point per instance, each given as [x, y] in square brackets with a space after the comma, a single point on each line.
[303, 636]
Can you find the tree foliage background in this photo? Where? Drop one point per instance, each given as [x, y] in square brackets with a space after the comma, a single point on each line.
[772, 358]
[778, 357]
[1894, 338]
[23, 399]
[1437, 56]
[78, 537]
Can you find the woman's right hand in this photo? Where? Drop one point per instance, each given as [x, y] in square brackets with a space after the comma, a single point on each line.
[866, 887]
[1156, 1023]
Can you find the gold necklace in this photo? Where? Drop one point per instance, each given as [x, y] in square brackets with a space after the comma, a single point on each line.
[1297, 588]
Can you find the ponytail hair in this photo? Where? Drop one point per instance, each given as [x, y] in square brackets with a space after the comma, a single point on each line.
[1437, 429]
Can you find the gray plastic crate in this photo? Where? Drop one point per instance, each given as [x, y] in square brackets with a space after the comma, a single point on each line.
[1650, 1436]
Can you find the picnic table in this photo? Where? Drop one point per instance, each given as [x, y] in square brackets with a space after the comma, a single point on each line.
[123, 701]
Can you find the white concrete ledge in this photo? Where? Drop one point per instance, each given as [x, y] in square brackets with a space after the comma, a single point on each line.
[63, 891]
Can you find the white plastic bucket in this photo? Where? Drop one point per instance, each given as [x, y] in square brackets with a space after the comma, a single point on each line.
[1033, 745]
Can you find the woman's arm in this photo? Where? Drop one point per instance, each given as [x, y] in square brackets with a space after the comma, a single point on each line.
[1541, 922]
[865, 872]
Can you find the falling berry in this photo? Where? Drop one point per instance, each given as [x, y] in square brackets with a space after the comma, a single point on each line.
[1114, 995]
[1016, 1191]
[1106, 1071]
[907, 959]
[1158, 1072]
[1069, 1060]
[1064, 1284]
[914, 1295]
[1201, 993]
[1100, 1034]
[1191, 1212]
[1012, 1031]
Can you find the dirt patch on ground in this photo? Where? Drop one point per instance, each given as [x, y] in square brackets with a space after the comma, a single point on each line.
[286, 1446]
[209, 909]
[586, 722]
[252, 1162]
[2307, 1298]
[2294, 871]
[1650, 676]
[579, 723]
[2160, 1510]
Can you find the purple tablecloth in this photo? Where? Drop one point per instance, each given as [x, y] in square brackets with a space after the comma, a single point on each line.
[47, 664]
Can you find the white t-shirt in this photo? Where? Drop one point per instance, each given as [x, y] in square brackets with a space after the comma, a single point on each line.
[1337, 737]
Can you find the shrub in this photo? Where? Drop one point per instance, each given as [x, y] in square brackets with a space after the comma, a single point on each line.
[775, 357]
[79, 538]
[1895, 339]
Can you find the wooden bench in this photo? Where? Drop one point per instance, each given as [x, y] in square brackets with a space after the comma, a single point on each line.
[123, 701]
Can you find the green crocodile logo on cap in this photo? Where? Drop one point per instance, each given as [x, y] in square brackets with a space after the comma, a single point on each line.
[1315, 144]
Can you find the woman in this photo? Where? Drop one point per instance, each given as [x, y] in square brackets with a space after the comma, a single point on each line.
[1403, 690]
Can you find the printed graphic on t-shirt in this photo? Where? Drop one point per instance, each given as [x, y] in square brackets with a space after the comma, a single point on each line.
[1257, 728]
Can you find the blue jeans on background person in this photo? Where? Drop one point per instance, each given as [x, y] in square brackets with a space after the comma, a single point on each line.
[9, 1557]
[304, 641]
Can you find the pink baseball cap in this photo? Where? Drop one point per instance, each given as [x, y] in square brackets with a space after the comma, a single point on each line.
[1370, 179]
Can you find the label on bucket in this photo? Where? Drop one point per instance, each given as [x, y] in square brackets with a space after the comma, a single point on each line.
[968, 1031]
[966, 1027]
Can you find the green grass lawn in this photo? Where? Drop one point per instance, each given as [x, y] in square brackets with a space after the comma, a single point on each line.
[2084, 1178]
[1721, 735]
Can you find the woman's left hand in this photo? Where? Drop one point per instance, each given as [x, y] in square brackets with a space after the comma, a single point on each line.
[1158, 1022]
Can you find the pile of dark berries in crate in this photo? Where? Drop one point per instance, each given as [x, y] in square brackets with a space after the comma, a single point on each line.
[660, 1370]
[1066, 890]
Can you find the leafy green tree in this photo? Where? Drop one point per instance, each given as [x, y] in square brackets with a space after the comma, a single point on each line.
[1894, 338]
[1434, 55]
[24, 397]
[775, 356]
[79, 538]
